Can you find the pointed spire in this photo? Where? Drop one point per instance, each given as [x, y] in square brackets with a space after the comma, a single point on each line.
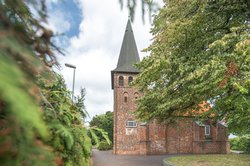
[129, 53]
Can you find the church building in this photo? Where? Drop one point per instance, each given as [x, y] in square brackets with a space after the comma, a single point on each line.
[134, 137]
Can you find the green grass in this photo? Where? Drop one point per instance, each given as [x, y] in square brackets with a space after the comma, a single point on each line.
[210, 160]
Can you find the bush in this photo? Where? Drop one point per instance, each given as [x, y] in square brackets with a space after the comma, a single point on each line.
[241, 143]
[234, 143]
[103, 145]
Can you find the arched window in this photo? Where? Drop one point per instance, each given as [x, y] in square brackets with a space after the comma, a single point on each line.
[121, 81]
[136, 95]
[130, 79]
[125, 95]
[125, 99]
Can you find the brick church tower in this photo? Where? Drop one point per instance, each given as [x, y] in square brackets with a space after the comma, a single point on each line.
[132, 137]
[125, 126]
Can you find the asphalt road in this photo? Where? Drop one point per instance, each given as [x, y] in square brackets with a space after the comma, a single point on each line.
[106, 158]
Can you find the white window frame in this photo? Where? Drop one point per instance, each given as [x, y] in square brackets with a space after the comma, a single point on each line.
[207, 130]
[128, 124]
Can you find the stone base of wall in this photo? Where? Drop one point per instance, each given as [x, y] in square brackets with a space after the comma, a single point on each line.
[211, 147]
[123, 152]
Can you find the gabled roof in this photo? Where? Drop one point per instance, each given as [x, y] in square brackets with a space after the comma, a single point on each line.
[129, 53]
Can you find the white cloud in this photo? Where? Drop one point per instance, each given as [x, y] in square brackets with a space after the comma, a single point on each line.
[95, 50]
[59, 21]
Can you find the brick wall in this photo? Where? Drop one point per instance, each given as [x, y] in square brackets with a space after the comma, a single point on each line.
[157, 138]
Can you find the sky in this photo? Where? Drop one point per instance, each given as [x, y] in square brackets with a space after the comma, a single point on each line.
[90, 32]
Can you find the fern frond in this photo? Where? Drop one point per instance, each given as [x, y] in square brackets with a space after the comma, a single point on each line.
[103, 133]
[65, 135]
[94, 137]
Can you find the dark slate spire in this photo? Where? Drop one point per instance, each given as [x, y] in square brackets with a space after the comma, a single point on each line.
[129, 53]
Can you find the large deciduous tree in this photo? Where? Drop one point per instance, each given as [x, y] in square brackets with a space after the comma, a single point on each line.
[105, 122]
[200, 52]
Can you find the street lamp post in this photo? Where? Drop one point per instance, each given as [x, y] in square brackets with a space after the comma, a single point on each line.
[73, 87]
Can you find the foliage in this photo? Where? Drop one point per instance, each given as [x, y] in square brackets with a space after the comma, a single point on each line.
[212, 159]
[39, 124]
[104, 145]
[241, 143]
[68, 136]
[97, 135]
[200, 52]
[148, 5]
[23, 132]
[234, 143]
[105, 122]
[80, 104]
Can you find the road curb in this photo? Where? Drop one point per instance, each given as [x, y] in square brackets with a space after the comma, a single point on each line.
[166, 163]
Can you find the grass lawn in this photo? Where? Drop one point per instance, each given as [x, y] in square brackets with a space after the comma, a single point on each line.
[210, 160]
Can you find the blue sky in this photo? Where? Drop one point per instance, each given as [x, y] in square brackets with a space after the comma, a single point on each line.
[93, 31]
[73, 14]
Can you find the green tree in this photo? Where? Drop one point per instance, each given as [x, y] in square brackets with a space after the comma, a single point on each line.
[241, 143]
[105, 122]
[68, 138]
[39, 125]
[80, 104]
[23, 131]
[200, 52]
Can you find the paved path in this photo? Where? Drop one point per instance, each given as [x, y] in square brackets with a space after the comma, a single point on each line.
[106, 158]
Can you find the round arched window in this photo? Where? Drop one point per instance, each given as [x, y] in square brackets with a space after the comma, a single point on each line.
[125, 97]
[130, 79]
[121, 81]
[136, 94]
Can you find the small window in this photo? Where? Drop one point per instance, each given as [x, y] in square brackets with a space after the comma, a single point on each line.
[125, 95]
[136, 95]
[207, 130]
[130, 79]
[125, 99]
[131, 124]
[121, 81]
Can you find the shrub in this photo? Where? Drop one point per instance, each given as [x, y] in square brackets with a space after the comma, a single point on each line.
[241, 143]
[103, 145]
[245, 143]
[234, 143]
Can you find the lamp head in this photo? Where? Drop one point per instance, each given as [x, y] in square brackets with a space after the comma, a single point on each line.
[70, 66]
